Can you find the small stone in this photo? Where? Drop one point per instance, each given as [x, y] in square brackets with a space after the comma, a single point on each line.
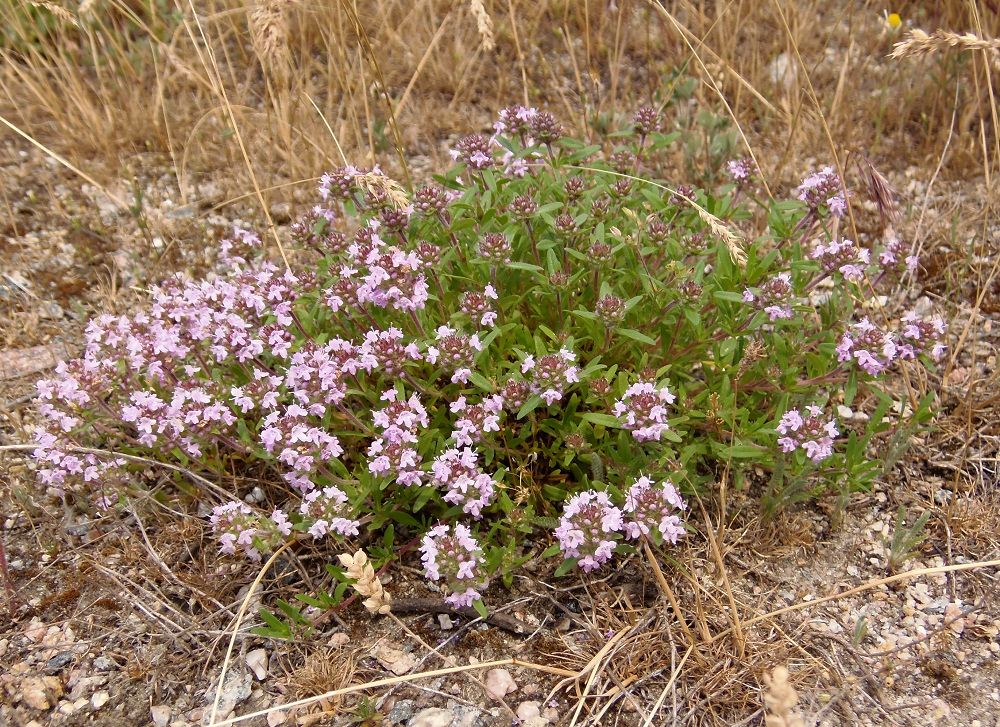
[40, 692]
[103, 663]
[99, 699]
[276, 718]
[160, 714]
[397, 661]
[445, 622]
[257, 661]
[529, 710]
[432, 717]
[338, 640]
[401, 711]
[499, 683]
[58, 662]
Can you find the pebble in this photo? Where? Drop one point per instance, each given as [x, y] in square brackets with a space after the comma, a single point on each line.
[160, 714]
[432, 717]
[58, 662]
[401, 711]
[99, 699]
[103, 663]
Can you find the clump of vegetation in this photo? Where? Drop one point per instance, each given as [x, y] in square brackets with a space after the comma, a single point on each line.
[549, 339]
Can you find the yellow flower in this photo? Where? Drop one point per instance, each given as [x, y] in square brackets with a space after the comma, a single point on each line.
[893, 21]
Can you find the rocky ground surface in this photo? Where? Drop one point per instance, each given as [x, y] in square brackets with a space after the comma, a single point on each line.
[126, 619]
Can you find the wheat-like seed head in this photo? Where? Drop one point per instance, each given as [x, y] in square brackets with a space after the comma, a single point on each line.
[269, 37]
[919, 43]
[377, 183]
[484, 23]
[357, 567]
[780, 700]
[57, 10]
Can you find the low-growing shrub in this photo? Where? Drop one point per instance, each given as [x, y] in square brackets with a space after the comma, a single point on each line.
[546, 340]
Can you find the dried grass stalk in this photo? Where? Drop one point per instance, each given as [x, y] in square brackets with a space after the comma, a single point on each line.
[377, 599]
[780, 700]
[484, 23]
[918, 43]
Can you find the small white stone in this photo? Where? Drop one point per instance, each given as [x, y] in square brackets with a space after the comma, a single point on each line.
[257, 661]
[160, 714]
[276, 718]
[99, 699]
[499, 683]
[432, 717]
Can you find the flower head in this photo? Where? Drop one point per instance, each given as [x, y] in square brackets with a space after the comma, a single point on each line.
[643, 410]
[588, 528]
[452, 555]
[813, 433]
[651, 507]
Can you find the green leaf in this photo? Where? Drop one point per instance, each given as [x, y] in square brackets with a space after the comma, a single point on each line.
[565, 567]
[636, 336]
[480, 608]
[607, 420]
[526, 266]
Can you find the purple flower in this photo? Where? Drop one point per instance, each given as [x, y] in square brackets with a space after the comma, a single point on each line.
[813, 433]
[457, 471]
[773, 297]
[237, 526]
[551, 374]
[823, 188]
[478, 306]
[588, 528]
[643, 410]
[652, 507]
[740, 170]
[456, 350]
[873, 349]
[921, 336]
[476, 419]
[843, 256]
[454, 556]
[327, 512]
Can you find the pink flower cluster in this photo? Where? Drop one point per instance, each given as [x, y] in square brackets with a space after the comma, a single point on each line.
[740, 171]
[454, 556]
[457, 472]
[237, 525]
[325, 508]
[479, 308]
[773, 297]
[823, 188]
[920, 336]
[843, 256]
[643, 410]
[872, 348]
[652, 507]
[551, 374]
[395, 452]
[476, 419]
[588, 528]
[456, 350]
[379, 274]
[813, 433]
